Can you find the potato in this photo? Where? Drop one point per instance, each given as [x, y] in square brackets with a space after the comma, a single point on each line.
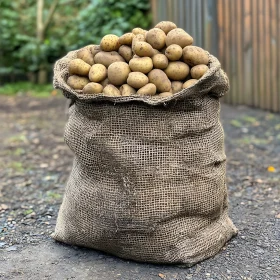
[118, 73]
[193, 55]
[148, 89]
[85, 55]
[110, 43]
[107, 58]
[137, 79]
[141, 64]
[177, 70]
[97, 73]
[176, 86]
[125, 52]
[137, 38]
[136, 56]
[156, 38]
[79, 67]
[160, 61]
[95, 49]
[143, 49]
[105, 82]
[174, 52]
[165, 94]
[160, 80]
[111, 90]
[198, 71]
[92, 88]
[156, 51]
[77, 82]
[127, 90]
[126, 39]
[189, 83]
[166, 26]
[139, 30]
[179, 37]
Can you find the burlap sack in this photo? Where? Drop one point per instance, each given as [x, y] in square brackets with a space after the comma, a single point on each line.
[148, 179]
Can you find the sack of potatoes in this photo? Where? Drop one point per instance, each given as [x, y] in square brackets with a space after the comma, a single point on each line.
[156, 63]
[148, 178]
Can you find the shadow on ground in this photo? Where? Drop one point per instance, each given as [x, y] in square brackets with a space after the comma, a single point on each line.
[34, 167]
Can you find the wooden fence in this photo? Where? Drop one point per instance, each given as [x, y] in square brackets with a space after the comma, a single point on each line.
[243, 34]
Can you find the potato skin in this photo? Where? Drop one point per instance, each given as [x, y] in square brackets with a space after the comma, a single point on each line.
[177, 70]
[127, 90]
[97, 73]
[143, 49]
[156, 38]
[141, 64]
[78, 67]
[118, 73]
[160, 80]
[137, 79]
[198, 71]
[148, 89]
[176, 86]
[107, 58]
[77, 82]
[139, 30]
[125, 52]
[160, 61]
[179, 37]
[95, 49]
[86, 56]
[189, 83]
[166, 26]
[193, 55]
[92, 88]
[110, 43]
[137, 38]
[111, 90]
[174, 52]
[165, 94]
[126, 39]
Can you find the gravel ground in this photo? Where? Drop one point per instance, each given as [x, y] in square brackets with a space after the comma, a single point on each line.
[34, 167]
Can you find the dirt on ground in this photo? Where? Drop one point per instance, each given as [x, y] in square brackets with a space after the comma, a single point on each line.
[35, 164]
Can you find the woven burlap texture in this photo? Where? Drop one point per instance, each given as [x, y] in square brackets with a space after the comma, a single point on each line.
[148, 181]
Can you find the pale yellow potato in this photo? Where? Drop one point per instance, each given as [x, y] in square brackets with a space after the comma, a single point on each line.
[177, 70]
[77, 82]
[179, 37]
[166, 26]
[148, 89]
[107, 58]
[126, 39]
[111, 90]
[95, 49]
[92, 88]
[78, 67]
[137, 79]
[139, 30]
[110, 43]
[141, 64]
[176, 86]
[105, 82]
[160, 80]
[189, 83]
[198, 71]
[165, 94]
[86, 55]
[156, 38]
[126, 52]
[193, 55]
[143, 49]
[160, 61]
[118, 73]
[127, 90]
[97, 73]
[137, 38]
[174, 52]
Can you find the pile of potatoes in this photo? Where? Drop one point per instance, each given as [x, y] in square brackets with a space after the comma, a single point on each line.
[158, 62]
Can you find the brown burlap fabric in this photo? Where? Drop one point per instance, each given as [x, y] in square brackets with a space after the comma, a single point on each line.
[148, 179]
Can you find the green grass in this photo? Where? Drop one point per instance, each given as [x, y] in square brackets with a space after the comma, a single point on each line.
[29, 89]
